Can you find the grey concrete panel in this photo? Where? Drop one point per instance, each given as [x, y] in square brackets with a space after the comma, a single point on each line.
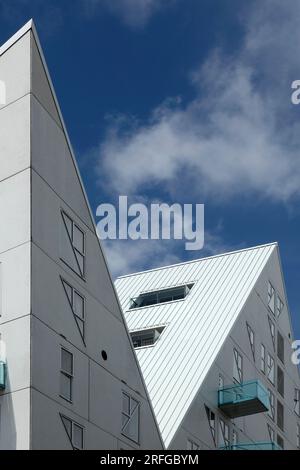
[15, 70]
[39, 83]
[15, 137]
[15, 275]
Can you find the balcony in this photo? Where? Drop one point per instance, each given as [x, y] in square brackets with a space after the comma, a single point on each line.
[243, 399]
[2, 375]
[253, 446]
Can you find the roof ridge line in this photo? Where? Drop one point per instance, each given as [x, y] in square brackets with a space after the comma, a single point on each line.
[15, 38]
[199, 259]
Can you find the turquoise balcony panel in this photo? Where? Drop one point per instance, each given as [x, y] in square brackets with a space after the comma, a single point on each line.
[2, 375]
[243, 399]
[253, 446]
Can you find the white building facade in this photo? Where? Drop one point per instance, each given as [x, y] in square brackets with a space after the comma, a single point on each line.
[69, 377]
[214, 342]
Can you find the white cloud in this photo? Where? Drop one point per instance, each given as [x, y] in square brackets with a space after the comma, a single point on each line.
[128, 256]
[134, 13]
[234, 137]
[239, 136]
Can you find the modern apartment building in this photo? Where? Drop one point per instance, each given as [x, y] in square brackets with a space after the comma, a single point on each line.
[213, 338]
[69, 377]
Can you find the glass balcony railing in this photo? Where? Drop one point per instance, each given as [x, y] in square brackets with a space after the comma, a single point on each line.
[253, 446]
[2, 375]
[243, 399]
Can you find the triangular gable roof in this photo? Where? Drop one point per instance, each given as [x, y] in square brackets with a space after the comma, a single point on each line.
[29, 27]
[175, 368]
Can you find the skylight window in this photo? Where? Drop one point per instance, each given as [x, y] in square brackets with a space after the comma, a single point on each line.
[160, 296]
[147, 337]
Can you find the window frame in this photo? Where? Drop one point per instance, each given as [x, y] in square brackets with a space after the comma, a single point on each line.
[224, 432]
[272, 332]
[82, 272]
[271, 432]
[280, 347]
[279, 306]
[69, 375]
[134, 305]
[271, 294]
[280, 381]
[192, 445]
[213, 428]
[71, 437]
[81, 319]
[280, 406]
[270, 368]
[252, 342]
[130, 416]
[272, 411]
[263, 358]
[155, 332]
[78, 318]
[280, 441]
[238, 366]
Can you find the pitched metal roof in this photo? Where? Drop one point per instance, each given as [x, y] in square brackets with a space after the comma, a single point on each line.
[175, 367]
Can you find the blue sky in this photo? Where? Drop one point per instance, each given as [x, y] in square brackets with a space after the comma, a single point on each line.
[181, 101]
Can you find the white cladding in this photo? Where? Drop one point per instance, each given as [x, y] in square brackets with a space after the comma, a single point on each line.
[196, 327]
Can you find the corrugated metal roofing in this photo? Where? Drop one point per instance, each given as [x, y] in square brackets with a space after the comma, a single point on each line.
[175, 367]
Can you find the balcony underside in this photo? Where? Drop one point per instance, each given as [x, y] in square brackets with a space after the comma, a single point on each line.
[244, 399]
[244, 408]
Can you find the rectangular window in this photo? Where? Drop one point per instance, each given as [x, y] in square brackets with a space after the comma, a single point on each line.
[191, 445]
[160, 296]
[237, 366]
[271, 411]
[130, 418]
[147, 337]
[271, 369]
[212, 422]
[74, 431]
[297, 402]
[298, 435]
[224, 433]
[280, 441]
[66, 374]
[263, 359]
[272, 331]
[73, 239]
[280, 381]
[280, 415]
[279, 306]
[271, 298]
[280, 347]
[251, 340]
